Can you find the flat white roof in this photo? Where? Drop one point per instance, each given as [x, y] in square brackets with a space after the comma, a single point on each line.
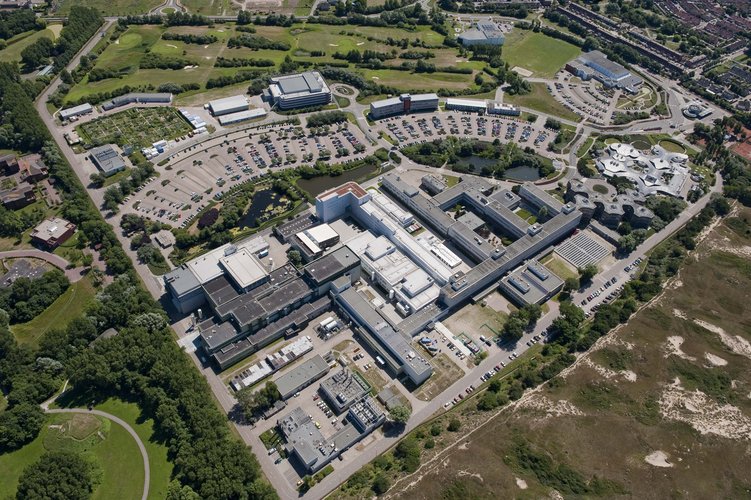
[235, 101]
[206, 267]
[467, 103]
[321, 233]
[379, 247]
[243, 268]
[308, 242]
[242, 116]
[81, 108]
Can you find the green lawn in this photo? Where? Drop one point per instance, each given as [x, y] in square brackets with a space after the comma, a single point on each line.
[536, 52]
[161, 468]
[110, 7]
[117, 456]
[541, 100]
[419, 81]
[16, 44]
[68, 306]
[210, 7]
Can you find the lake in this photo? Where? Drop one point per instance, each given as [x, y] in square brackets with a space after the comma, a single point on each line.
[522, 173]
[318, 185]
[262, 208]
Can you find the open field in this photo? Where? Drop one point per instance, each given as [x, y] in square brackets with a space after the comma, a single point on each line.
[108, 444]
[19, 42]
[657, 409]
[541, 100]
[210, 7]
[125, 55]
[110, 7]
[541, 54]
[138, 127]
[68, 306]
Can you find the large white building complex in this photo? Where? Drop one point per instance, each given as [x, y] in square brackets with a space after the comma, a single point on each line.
[298, 91]
[227, 105]
[596, 65]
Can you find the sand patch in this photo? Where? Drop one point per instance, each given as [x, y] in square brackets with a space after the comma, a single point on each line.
[170, 45]
[679, 314]
[521, 71]
[117, 42]
[673, 348]
[521, 483]
[702, 413]
[360, 43]
[333, 45]
[735, 343]
[551, 409]
[658, 459]
[714, 360]
[608, 373]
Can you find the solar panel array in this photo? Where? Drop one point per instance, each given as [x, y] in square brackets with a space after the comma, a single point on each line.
[581, 250]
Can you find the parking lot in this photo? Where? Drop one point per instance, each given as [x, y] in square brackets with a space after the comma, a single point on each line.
[590, 100]
[206, 171]
[411, 129]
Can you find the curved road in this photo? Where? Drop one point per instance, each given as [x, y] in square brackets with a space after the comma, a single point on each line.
[127, 427]
[73, 275]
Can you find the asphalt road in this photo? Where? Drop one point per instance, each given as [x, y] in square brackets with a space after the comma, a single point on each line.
[127, 427]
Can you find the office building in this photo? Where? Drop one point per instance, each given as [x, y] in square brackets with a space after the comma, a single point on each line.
[51, 233]
[107, 160]
[312, 242]
[498, 108]
[228, 105]
[298, 91]
[80, 110]
[595, 64]
[306, 443]
[394, 348]
[482, 33]
[531, 283]
[472, 105]
[405, 103]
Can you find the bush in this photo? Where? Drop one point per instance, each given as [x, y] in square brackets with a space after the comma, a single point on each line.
[454, 425]
[381, 484]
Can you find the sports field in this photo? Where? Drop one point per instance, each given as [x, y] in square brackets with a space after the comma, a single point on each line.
[541, 100]
[138, 127]
[541, 54]
[308, 43]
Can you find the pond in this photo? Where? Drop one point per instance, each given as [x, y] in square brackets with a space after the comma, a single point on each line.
[318, 185]
[522, 173]
[267, 204]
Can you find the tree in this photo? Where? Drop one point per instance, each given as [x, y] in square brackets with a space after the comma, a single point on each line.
[20, 425]
[454, 425]
[513, 329]
[586, 274]
[571, 284]
[294, 257]
[381, 484]
[58, 475]
[253, 403]
[400, 414]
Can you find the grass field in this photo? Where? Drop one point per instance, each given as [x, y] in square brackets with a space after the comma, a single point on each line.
[210, 7]
[117, 455]
[619, 414]
[541, 100]
[68, 306]
[541, 54]
[19, 42]
[125, 54]
[110, 7]
[161, 468]
[138, 127]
